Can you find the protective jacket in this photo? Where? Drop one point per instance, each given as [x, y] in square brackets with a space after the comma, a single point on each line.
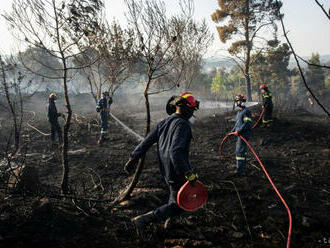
[267, 100]
[102, 104]
[243, 122]
[52, 111]
[173, 136]
[267, 104]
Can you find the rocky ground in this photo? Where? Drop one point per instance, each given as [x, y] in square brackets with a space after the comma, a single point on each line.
[240, 212]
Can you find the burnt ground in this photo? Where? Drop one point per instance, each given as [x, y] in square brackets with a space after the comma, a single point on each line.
[295, 152]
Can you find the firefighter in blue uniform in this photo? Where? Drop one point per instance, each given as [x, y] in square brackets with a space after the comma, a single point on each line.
[103, 107]
[267, 104]
[173, 136]
[242, 127]
[52, 116]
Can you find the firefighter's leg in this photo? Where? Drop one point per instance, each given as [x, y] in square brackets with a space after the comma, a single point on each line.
[59, 132]
[240, 155]
[52, 132]
[267, 118]
[170, 209]
[162, 213]
[104, 128]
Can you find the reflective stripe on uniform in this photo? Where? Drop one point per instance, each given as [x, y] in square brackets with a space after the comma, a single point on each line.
[104, 131]
[98, 106]
[245, 119]
[240, 158]
[266, 121]
[268, 95]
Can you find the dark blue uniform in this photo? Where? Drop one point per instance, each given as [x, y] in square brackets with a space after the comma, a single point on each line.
[173, 136]
[243, 127]
[53, 119]
[267, 103]
[102, 109]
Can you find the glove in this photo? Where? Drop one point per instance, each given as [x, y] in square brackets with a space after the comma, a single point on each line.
[191, 177]
[235, 133]
[130, 166]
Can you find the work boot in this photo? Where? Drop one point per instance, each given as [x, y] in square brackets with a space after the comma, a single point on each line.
[141, 223]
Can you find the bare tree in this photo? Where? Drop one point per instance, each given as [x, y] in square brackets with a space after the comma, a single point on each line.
[299, 68]
[192, 42]
[47, 24]
[11, 85]
[161, 45]
[159, 40]
[245, 20]
[114, 49]
[327, 14]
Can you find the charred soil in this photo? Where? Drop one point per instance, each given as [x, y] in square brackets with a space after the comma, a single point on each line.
[295, 152]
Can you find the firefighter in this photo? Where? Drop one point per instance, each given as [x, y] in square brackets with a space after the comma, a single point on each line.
[52, 116]
[103, 107]
[173, 136]
[267, 104]
[242, 127]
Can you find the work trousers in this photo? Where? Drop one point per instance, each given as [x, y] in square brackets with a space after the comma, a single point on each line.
[104, 125]
[171, 208]
[55, 128]
[241, 154]
[267, 117]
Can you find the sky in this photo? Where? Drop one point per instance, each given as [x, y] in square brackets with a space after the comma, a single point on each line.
[308, 27]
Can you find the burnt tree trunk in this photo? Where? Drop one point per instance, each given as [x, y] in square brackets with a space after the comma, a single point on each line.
[123, 196]
[65, 147]
[248, 52]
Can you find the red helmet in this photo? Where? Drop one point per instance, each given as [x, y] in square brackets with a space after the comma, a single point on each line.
[240, 97]
[192, 103]
[263, 86]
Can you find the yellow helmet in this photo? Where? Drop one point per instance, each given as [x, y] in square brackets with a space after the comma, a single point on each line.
[53, 96]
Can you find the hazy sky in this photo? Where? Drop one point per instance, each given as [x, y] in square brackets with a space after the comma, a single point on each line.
[309, 28]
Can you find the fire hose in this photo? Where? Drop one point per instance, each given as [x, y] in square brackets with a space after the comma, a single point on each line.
[261, 114]
[269, 179]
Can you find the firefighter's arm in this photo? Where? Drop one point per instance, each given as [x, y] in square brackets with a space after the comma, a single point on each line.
[139, 151]
[99, 107]
[144, 146]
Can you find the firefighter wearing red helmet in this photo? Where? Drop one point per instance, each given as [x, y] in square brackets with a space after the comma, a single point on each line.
[173, 136]
[267, 104]
[242, 128]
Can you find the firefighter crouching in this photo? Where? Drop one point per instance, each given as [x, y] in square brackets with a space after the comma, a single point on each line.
[52, 116]
[103, 107]
[173, 136]
[267, 104]
[242, 127]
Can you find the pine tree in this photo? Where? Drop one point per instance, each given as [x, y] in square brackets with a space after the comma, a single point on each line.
[315, 75]
[242, 21]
